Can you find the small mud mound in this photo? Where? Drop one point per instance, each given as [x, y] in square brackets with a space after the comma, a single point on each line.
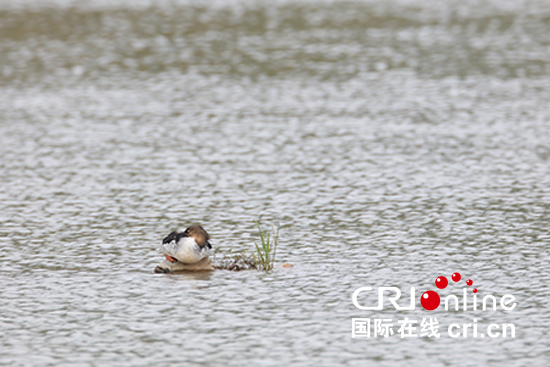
[238, 262]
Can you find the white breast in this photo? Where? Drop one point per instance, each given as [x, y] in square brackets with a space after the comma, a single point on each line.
[186, 250]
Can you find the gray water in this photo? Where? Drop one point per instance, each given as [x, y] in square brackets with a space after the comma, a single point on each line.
[394, 142]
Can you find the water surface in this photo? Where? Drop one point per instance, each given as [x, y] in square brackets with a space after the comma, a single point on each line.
[393, 142]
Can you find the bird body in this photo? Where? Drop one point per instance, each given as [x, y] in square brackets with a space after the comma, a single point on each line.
[187, 249]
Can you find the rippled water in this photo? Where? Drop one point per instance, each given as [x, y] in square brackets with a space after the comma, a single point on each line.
[393, 141]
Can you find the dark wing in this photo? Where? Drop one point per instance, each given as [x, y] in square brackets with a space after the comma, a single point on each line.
[174, 236]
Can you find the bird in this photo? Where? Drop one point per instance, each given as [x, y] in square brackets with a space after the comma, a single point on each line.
[186, 250]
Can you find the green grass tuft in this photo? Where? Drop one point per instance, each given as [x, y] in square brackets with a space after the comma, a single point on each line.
[266, 252]
[263, 259]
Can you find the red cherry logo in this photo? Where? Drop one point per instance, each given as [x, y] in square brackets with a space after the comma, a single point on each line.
[441, 282]
[469, 282]
[475, 290]
[456, 277]
[430, 300]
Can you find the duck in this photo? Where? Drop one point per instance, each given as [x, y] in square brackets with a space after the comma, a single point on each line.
[186, 249]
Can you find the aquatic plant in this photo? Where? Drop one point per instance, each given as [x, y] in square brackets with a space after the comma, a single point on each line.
[263, 259]
[266, 252]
